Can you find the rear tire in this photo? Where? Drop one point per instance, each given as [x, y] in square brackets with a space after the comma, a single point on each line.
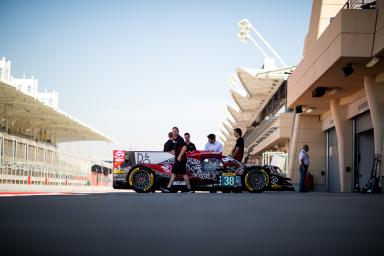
[256, 180]
[141, 179]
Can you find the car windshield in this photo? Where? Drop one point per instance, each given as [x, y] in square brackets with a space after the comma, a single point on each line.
[211, 164]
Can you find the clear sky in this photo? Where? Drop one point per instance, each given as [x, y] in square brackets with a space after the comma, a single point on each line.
[135, 69]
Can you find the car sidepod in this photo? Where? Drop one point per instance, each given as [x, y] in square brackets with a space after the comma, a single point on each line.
[277, 180]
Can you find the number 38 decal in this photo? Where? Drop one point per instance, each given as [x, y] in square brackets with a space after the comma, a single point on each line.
[230, 181]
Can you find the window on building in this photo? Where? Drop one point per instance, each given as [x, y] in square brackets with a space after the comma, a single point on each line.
[275, 104]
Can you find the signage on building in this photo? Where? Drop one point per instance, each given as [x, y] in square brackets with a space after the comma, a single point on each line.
[328, 123]
[358, 107]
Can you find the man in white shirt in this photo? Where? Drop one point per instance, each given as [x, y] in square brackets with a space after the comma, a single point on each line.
[213, 145]
[304, 163]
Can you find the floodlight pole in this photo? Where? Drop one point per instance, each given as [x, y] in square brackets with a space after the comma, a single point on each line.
[269, 47]
[244, 35]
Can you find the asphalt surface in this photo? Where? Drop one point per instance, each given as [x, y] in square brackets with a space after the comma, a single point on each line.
[272, 223]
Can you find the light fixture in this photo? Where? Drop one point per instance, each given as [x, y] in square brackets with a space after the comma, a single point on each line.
[243, 36]
[372, 62]
[299, 109]
[310, 110]
[318, 92]
[333, 91]
[348, 70]
[244, 24]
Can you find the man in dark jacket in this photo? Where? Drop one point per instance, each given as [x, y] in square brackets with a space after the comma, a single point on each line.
[238, 150]
[169, 145]
[190, 145]
[179, 168]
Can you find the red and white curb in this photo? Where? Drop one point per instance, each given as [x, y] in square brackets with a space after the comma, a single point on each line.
[13, 194]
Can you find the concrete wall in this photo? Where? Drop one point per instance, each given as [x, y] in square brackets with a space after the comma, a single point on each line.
[307, 130]
[283, 132]
[379, 36]
[350, 34]
[322, 12]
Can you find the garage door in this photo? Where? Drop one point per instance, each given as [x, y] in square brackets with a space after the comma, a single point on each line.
[333, 175]
[364, 148]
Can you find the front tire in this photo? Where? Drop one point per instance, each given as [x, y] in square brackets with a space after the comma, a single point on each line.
[141, 179]
[256, 180]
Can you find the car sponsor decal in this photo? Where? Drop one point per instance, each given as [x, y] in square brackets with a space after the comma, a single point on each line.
[147, 157]
[118, 158]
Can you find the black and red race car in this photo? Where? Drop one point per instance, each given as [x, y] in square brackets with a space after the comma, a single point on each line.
[147, 171]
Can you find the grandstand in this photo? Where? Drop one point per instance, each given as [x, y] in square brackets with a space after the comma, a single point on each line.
[31, 128]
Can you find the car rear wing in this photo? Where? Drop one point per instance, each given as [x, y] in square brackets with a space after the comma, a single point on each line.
[125, 159]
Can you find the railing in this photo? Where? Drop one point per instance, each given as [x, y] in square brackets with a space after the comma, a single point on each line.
[259, 130]
[28, 162]
[360, 4]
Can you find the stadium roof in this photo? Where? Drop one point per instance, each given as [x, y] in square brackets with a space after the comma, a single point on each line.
[26, 115]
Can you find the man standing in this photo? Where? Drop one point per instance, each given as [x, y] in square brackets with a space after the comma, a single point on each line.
[304, 163]
[169, 145]
[190, 145]
[212, 144]
[179, 168]
[238, 150]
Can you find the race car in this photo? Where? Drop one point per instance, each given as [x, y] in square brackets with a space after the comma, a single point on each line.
[147, 171]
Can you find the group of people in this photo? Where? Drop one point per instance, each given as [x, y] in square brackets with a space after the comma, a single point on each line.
[212, 144]
[178, 146]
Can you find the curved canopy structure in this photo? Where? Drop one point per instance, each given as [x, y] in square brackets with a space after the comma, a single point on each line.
[259, 86]
[239, 116]
[25, 115]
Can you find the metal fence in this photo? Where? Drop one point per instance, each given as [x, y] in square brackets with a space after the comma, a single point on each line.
[24, 161]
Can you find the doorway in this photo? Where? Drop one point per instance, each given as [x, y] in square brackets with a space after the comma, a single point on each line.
[333, 174]
[365, 152]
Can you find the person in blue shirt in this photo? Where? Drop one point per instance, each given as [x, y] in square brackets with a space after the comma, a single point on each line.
[304, 163]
